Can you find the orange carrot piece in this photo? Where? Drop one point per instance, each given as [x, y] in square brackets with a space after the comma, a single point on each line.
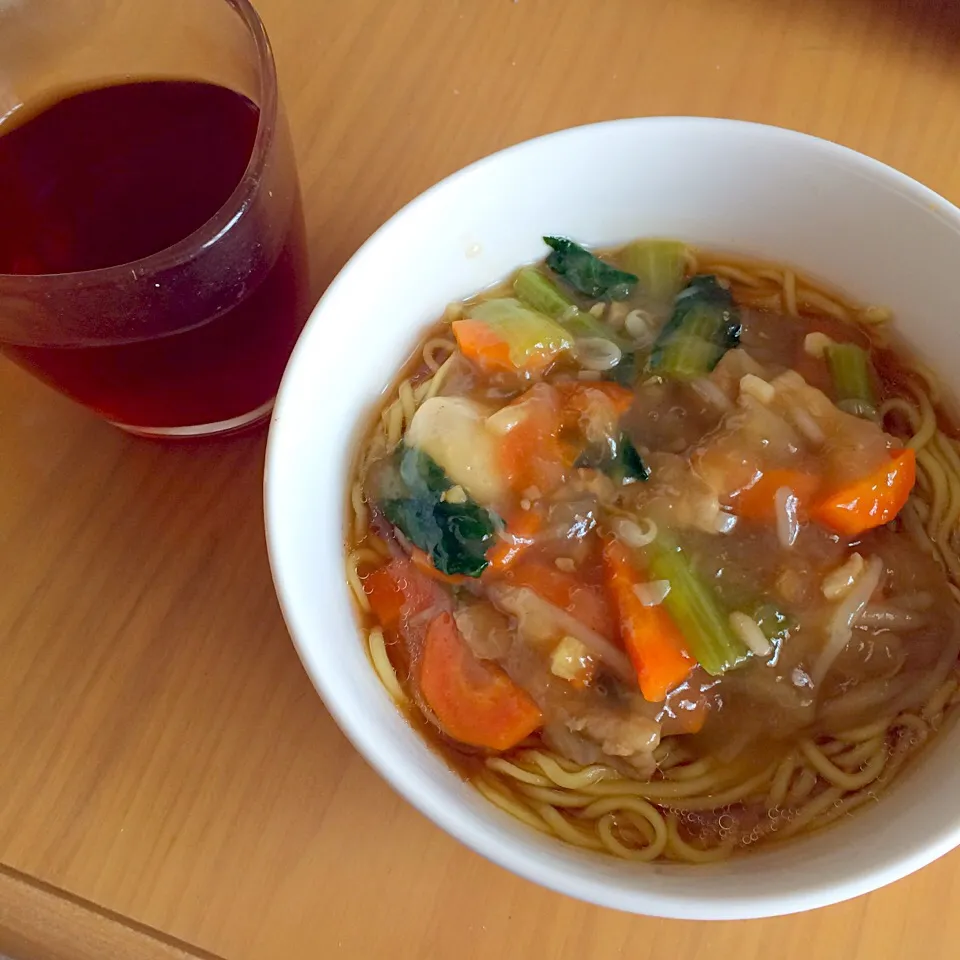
[872, 500]
[398, 589]
[479, 342]
[473, 700]
[690, 720]
[531, 454]
[576, 398]
[386, 599]
[653, 642]
[756, 501]
[520, 534]
[582, 601]
[425, 565]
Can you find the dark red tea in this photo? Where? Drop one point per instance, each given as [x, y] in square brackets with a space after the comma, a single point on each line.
[110, 175]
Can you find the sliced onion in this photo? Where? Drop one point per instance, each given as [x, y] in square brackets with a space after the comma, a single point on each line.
[838, 583]
[808, 426]
[596, 353]
[889, 617]
[840, 625]
[652, 594]
[859, 408]
[725, 522]
[748, 630]
[785, 508]
[758, 388]
[523, 603]
[641, 326]
[633, 534]
[707, 390]
[815, 344]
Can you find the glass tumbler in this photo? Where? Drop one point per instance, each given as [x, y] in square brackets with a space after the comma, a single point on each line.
[152, 252]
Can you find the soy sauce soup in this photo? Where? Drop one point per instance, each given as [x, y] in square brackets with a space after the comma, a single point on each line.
[643, 541]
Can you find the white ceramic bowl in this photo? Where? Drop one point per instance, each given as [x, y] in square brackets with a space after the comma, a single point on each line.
[759, 190]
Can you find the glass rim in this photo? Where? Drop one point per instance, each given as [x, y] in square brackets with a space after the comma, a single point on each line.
[210, 231]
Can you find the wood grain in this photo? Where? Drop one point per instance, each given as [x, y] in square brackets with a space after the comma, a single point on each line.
[162, 754]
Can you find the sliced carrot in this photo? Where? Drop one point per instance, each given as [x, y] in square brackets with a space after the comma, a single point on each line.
[480, 343]
[578, 396]
[583, 601]
[756, 501]
[521, 531]
[397, 590]
[473, 700]
[531, 454]
[385, 596]
[653, 642]
[872, 500]
[425, 565]
[688, 717]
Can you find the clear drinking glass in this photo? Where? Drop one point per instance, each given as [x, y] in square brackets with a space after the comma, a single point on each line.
[152, 252]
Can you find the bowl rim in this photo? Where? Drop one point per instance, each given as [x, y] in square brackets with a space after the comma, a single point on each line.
[461, 825]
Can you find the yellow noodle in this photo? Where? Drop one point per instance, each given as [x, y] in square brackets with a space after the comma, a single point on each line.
[853, 759]
[790, 292]
[644, 854]
[813, 808]
[440, 377]
[599, 807]
[662, 790]
[353, 579]
[866, 732]
[781, 781]
[384, 668]
[939, 701]
[510, 805]
[840, 778]
[361, 515]
[407, 402]
[682, 850]
[908, 721]
[499, 765]
[558, 797]
[802, 786]
[564, 829]
[584, 777]
[730, 272]
[770, 302]
[819, 302]
[735, 794]
[770, 273]
[690, 771]
[430, 349]
[394, 423]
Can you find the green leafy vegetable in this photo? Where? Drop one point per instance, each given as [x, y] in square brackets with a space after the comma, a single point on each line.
[705, 324]
[456, 536]
[705, 625]
[773, 622]
[587, 273]
[628, 464]
[626, 371]
[540, 293]
[850, 369]
[659, 265]
[619, 459]
[527, 333]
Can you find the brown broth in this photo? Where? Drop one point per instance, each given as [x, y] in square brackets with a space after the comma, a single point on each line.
[760, 710]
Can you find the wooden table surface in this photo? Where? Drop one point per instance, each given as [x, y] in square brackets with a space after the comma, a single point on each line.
[170, 784]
